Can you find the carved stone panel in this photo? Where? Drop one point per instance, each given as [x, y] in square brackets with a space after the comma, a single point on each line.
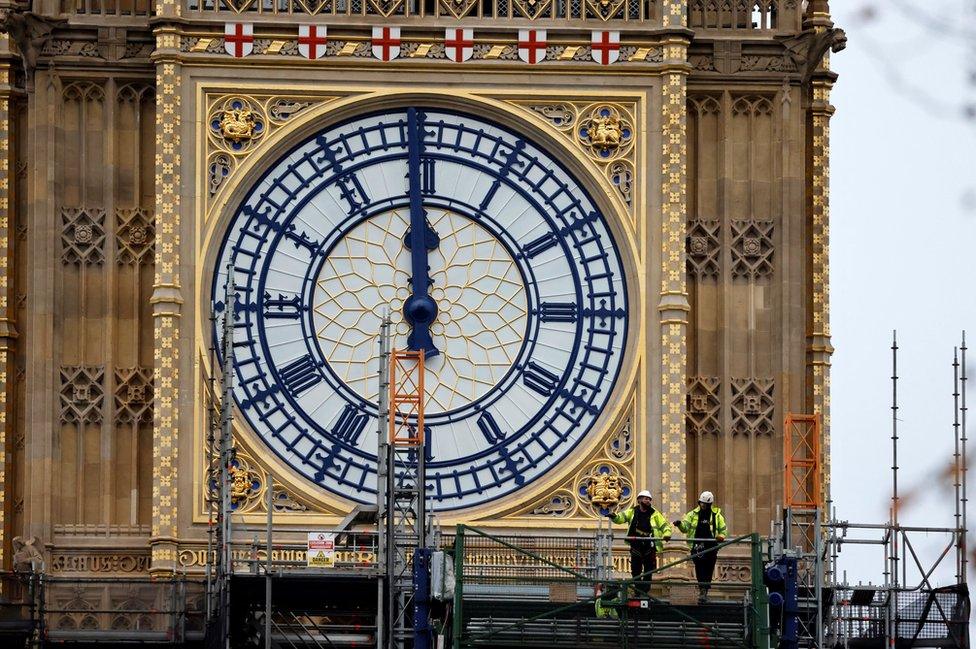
[752, 407]
[82, 235]
[133, 395]
[702, 244]
[752, 249]
[135, 235]
[82, 394]
[704, 406]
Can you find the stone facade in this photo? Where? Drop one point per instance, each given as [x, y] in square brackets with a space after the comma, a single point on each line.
[115, 181]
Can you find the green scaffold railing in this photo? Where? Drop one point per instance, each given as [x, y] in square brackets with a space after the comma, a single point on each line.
[547, 591]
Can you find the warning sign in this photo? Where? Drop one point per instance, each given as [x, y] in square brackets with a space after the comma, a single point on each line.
[321, 550]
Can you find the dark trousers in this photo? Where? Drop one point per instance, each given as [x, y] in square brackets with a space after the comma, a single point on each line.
[705, 565]
[643, 558]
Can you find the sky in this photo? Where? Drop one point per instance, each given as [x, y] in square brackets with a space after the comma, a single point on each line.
[903, 255]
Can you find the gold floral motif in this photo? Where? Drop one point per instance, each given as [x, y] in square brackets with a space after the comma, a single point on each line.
[237, 124]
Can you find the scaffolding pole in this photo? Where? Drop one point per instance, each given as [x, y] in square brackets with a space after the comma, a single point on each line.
[223, 551]
[406, 507]
[382, 471]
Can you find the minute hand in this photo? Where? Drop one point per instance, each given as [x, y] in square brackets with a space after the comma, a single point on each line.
[419, 309]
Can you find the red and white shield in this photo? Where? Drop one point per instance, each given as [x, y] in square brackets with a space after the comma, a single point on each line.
[459, 44]
[312, 40]
[605, 47]
[386, 43]
[239, 39]
[532, 45]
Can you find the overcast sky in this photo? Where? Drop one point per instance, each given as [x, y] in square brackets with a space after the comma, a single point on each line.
[903, 255]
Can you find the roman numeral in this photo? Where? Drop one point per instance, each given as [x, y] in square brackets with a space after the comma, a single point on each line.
[558, 312]
[540, 245]
[351, 425]
[490, 429]
[300, 375]
[427, 178]
[281, 307]
[539, 379]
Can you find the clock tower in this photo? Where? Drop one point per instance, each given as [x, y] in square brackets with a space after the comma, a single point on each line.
[605, 223]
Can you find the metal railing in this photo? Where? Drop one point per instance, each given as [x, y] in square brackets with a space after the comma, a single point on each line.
[121, 610]
[540, 590]
[355, 551]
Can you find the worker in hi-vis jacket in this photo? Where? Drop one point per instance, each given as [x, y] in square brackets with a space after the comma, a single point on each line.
[648, 530]
[705, 526]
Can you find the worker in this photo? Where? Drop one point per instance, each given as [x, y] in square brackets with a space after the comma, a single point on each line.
[705, 527]
[646, 535]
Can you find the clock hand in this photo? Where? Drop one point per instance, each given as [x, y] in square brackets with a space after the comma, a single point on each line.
[419, 309]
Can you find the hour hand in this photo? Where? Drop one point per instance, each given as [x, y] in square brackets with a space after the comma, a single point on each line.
[419, 309]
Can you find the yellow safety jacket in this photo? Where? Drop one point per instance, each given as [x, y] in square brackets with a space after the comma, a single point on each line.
[660, 528]
[717, 525]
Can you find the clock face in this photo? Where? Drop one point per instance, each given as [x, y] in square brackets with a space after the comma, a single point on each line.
[526, 308]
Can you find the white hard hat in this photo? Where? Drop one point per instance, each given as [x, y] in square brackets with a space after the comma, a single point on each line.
[706, 497]
[644, 493]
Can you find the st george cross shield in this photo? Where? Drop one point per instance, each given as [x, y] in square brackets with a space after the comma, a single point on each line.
[311, 41]
[386, 43]
[532, 45]
[458, 44]
[605, 47]
[239, 39]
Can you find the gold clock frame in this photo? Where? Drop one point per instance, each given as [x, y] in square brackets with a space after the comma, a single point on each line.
[619, 441]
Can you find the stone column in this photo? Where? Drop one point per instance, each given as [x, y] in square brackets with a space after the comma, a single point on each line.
[167, 297]
[819, 349]
[8, 333]
[673, 306]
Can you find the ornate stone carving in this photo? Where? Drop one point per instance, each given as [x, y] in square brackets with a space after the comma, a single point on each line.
[752, 249]
[387, 8]
[81, 394]
[558, 505]
[808, 48]
[606, 131]
[562, 116]
[249, 119]
[133, 395]
[606, 9]
[620, 446]
[531, 9]
[30, 32]
[702, 245]
[752, 407]
[458, 8]
[604, 489]
[101, 563]
[621, 174]
[28, 556]
[703, 405]
[602, 486]
[82, 235]
[238, 124]
[135, 235]
[282, 501]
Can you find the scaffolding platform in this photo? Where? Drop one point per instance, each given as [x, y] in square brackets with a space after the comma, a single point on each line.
[646, 623]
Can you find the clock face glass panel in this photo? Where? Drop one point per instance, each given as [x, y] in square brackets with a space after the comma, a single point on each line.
[531, 318]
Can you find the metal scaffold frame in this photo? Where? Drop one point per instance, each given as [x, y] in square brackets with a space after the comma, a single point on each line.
[219, 477]
[403, 515]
